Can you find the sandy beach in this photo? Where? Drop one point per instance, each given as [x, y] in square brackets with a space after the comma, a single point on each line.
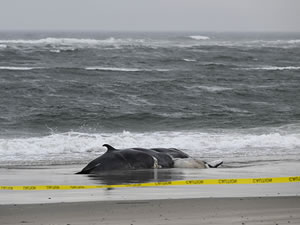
[194, 204]
[267, 210]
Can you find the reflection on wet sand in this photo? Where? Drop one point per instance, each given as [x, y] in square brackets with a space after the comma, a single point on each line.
[136, 176]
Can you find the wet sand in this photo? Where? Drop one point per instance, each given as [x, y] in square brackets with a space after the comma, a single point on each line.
[64, 175]
[267, 210]
[195, 204]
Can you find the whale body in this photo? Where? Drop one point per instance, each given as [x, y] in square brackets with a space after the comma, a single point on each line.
[142, 158]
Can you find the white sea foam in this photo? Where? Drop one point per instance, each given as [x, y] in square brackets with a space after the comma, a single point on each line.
[210, 88]
[297, 41]
[265, 43]
[124, 69]
[18, 68]
[73, 41]
[250, 43]
[58, 49]
[190, 60]
[51, 41]
[135, 100]
[180, 115]
[113, 69]
[274, 68]
[199, 37]
[72, 146]
[55, 50]
[236, 110]
[3, 46]
[114, 43]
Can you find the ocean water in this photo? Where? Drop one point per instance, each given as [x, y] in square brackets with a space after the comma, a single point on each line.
[234, 96]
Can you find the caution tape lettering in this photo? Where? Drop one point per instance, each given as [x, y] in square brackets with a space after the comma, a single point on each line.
[265, 180]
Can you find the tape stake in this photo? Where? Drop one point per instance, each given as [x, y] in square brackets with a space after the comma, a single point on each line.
[265, 180]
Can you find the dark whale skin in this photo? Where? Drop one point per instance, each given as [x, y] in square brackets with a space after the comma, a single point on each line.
[133, 158]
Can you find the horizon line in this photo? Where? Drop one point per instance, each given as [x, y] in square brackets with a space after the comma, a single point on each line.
[147, 31]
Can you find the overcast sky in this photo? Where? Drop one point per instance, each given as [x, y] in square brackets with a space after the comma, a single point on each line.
[151, 15]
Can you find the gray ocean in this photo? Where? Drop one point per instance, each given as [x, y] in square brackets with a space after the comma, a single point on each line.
[233, 96]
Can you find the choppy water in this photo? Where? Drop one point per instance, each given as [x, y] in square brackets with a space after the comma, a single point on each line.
[63, 95]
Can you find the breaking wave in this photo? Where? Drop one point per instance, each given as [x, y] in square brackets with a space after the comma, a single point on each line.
[190, 60]
[274, 68]
[18, 68]
[125, 69]
[294, 41]
[209, 88]
[113, 69]
[199, 37]
[72, 146]
[73, 41]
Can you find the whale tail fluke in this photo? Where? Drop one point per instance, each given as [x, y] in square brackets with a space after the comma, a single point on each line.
[215, 164]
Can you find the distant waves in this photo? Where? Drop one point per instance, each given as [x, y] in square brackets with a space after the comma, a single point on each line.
[63, 95]
[113, 69]
[199, 37]
[18, 68]
[123, 69]
[117, 42]
[274, 68]
[109, 82]
[71, 41]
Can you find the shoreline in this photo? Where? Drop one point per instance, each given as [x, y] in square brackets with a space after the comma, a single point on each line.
[225, 204]
[64, 175]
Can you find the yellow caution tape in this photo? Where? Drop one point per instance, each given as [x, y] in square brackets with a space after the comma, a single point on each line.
[167, 183]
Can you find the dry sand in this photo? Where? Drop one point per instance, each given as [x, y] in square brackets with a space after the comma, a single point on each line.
[267, 210]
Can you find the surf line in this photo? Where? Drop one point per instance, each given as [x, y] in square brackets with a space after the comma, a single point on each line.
[266, 180]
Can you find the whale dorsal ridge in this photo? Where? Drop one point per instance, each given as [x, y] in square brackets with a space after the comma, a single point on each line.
[109, 148]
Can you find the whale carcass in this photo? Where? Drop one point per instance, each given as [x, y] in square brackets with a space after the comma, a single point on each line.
[142, 158]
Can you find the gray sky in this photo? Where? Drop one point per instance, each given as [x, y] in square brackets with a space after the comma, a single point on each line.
[151, 15]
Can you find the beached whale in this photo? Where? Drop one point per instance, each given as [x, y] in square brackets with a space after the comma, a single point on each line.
[142, 158]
